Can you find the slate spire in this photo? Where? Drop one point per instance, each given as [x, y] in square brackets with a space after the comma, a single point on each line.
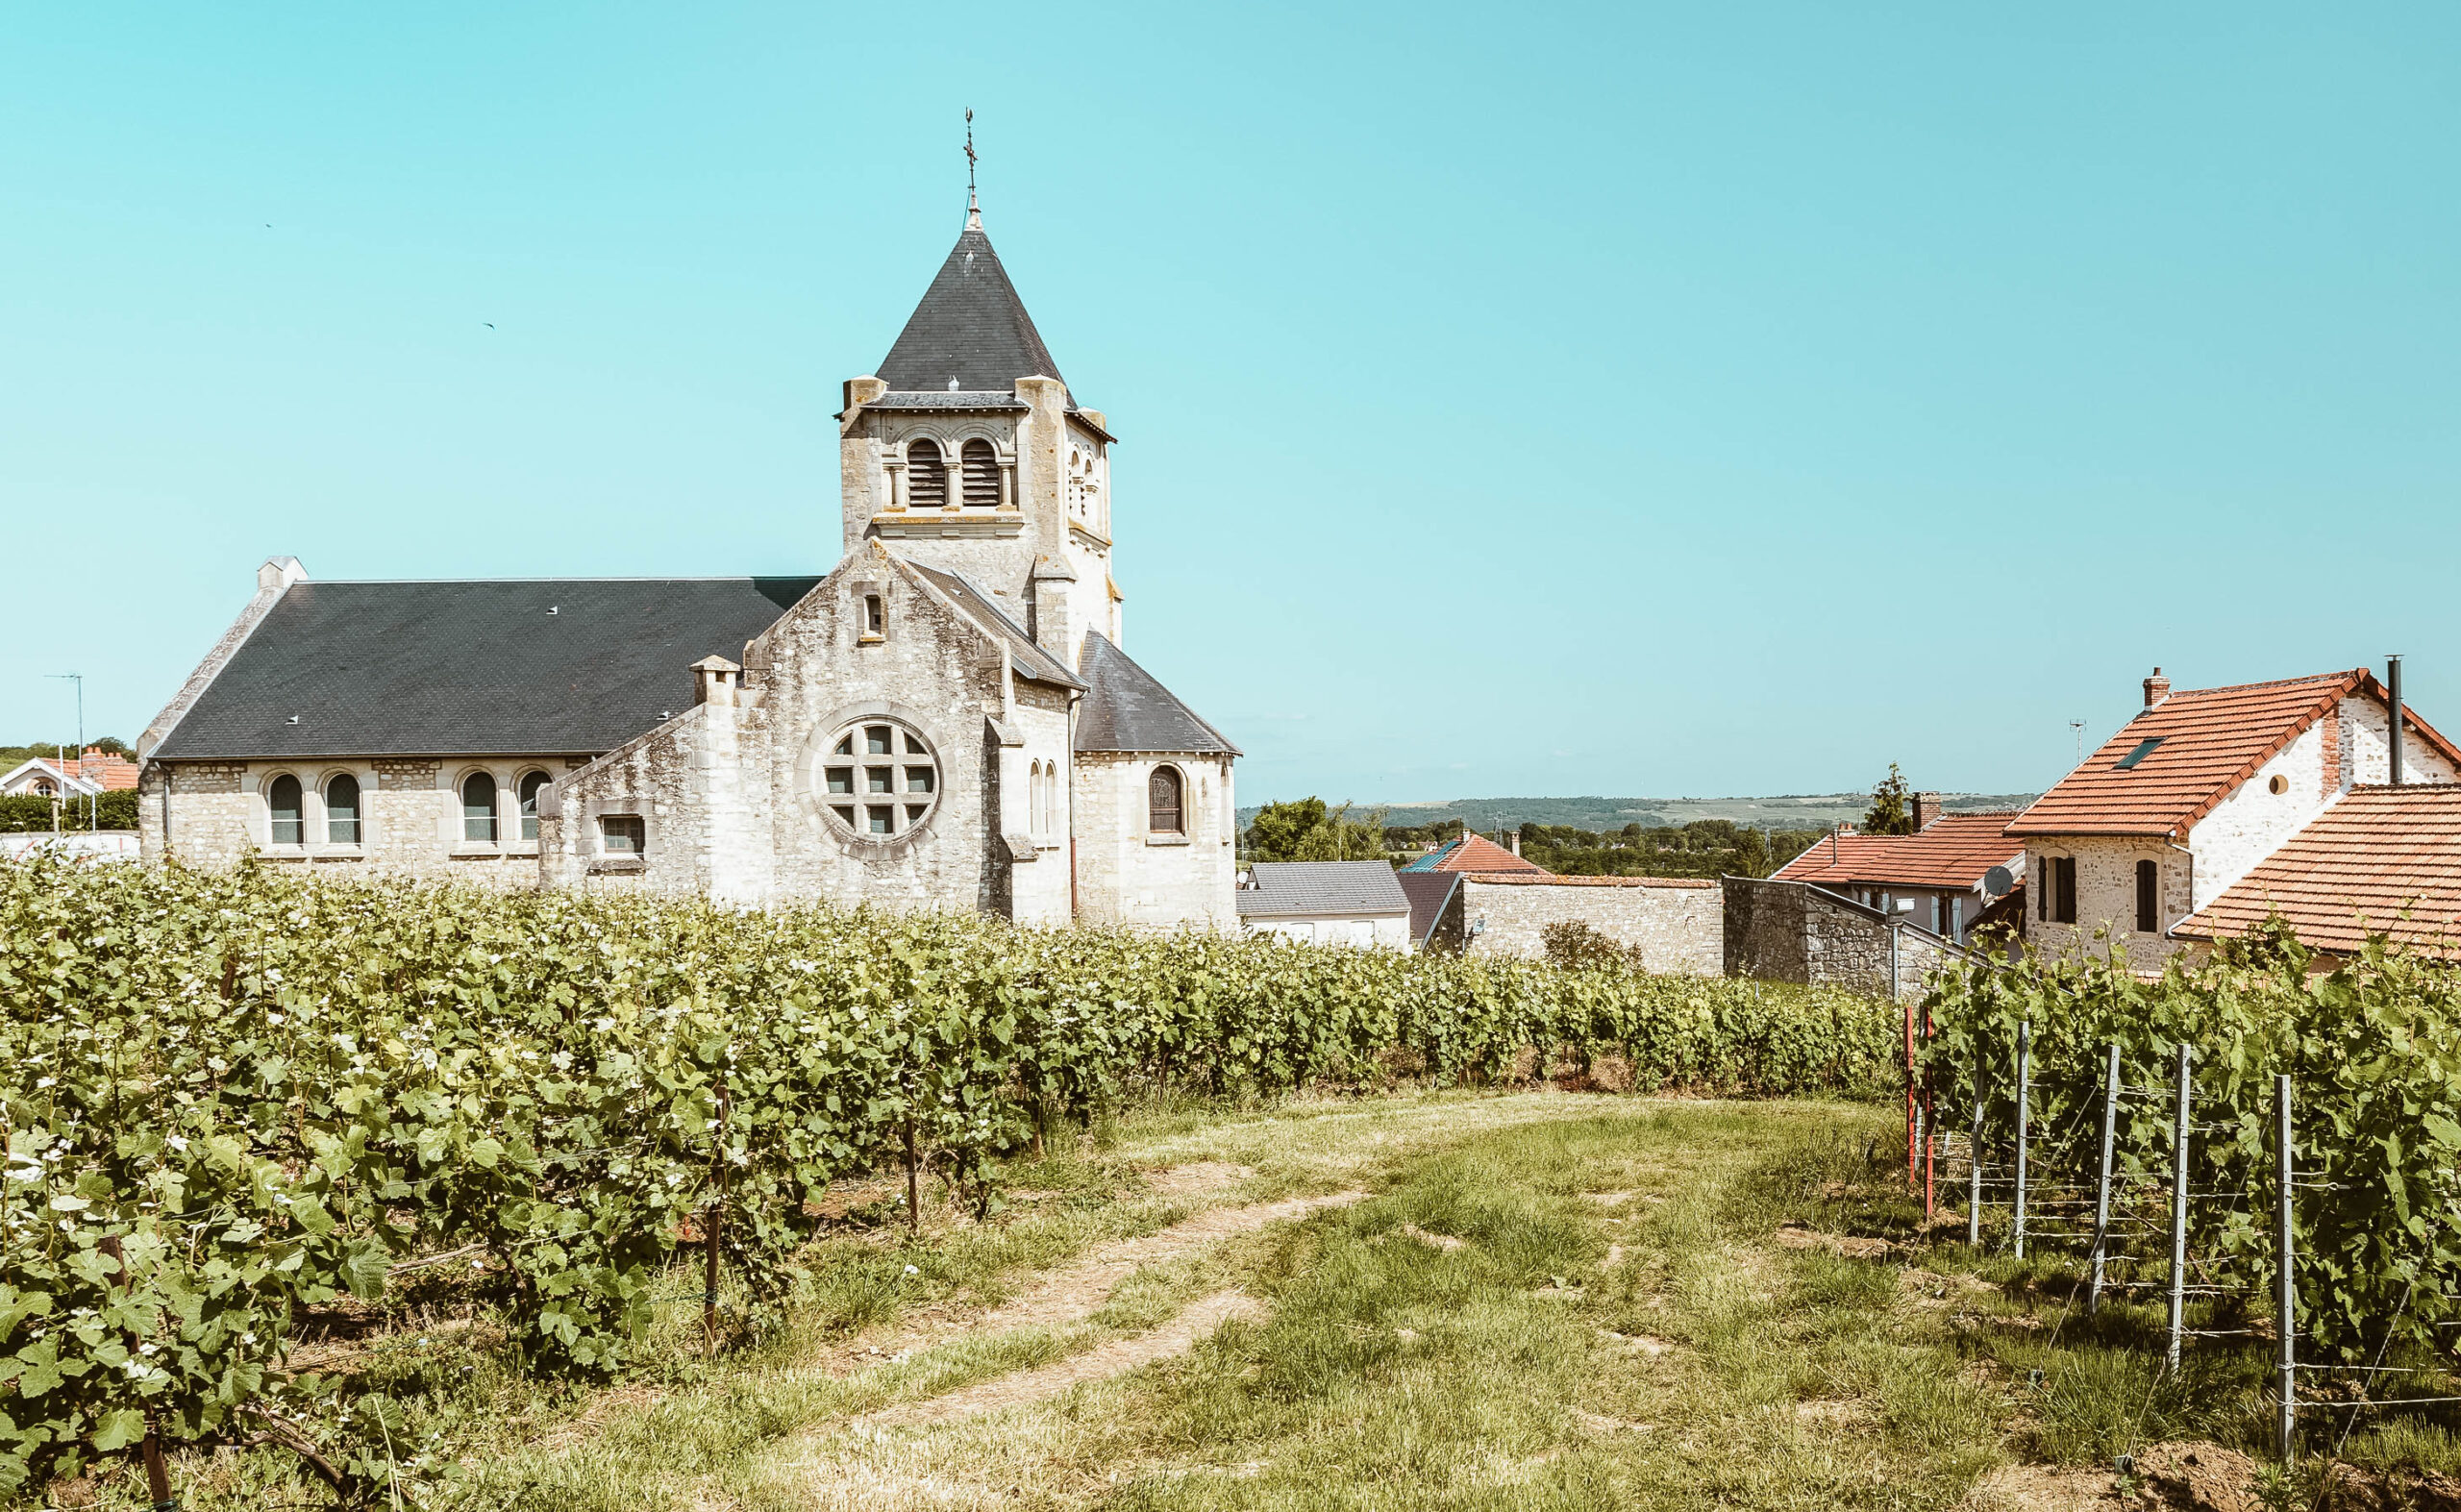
[971, 332]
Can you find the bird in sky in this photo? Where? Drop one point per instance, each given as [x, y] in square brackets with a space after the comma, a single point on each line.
[489, 324]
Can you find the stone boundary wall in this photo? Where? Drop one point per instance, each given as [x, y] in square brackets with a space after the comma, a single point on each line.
[1794, 931]
[1674, 919]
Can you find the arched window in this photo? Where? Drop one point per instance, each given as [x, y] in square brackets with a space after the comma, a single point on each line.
[283, 797]
[927, 476]
[1042, 798]
[981, 475]
[341, 809]
[1163, 806]
[479, 808]
[531, 783]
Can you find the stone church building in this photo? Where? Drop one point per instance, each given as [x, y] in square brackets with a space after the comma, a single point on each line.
[947, 719]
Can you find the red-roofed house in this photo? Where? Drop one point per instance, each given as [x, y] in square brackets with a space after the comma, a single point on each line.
[2383, 860]
[2202, 790]
[96, 771]
[1476, 853]
[1933, 878]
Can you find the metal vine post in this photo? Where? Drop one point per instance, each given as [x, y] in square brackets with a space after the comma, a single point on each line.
[2025, 1096]
[2179, 1216]
[2285, 1289]
[2103, 1189]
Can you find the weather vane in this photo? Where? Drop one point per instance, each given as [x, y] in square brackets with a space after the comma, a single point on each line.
[969, 157]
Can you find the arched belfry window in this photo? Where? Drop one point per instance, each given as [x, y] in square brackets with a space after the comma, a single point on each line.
[479, 808]
[927, 476]
[284, 798]
[1164, 808]
[981, 475]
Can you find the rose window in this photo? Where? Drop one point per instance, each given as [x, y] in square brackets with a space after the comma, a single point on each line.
[880, 779]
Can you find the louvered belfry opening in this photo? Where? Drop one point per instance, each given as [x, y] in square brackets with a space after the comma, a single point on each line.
[927, 476]
[981, 475]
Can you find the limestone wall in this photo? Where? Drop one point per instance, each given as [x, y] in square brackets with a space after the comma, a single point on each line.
[1790, 932]
[1674, 919]
[1127, 875]
[2106, 896]
[211, 813]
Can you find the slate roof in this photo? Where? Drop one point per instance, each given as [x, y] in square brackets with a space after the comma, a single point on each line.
[971, 332]
[1474, 853]
[1430, 893]
[1290, 889]
[2213, 740]
[1127, 710]
[1028, 659]
[454, 668]
[1951, 852]
[2360, 865]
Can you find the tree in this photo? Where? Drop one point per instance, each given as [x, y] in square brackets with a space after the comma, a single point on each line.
[1892, 811]
[1278, 829]
[1304, 830]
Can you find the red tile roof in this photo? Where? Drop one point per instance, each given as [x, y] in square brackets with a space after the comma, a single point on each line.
[2378, 854]
[1951, 852]
[1551, 879]
[2213, 739]
[1476, 853]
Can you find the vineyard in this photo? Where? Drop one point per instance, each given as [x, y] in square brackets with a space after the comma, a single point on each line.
[2230, 1114]
[239, 1106]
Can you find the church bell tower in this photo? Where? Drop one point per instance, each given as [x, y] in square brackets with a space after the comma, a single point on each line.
[966, 452]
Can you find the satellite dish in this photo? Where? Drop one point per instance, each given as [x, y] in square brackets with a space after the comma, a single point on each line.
[1997, 882]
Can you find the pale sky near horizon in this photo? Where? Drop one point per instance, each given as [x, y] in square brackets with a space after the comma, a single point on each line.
[1633, 400]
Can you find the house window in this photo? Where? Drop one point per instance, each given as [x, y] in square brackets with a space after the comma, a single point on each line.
[875, 618]
[479, 808]
[927, 476]
[2149, 902]
[623, 834]
[284, 798]
[880, 779]
[341, 809]
[531, 783]
[2057, 903]
[1162, 805]
[981, 465]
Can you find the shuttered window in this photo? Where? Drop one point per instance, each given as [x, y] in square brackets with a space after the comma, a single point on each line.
[927, 476]
[981, 475]
[2149, 902]
[1162, 802]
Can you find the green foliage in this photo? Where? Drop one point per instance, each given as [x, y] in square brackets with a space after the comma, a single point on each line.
[1575, 945]
[1892, 811]
[1306, 830]
[1702, 848]
[2374, 1050]
[14, 756]
[270, 1094]
[112, 810]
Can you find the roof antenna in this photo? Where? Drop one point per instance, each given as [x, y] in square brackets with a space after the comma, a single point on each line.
[973, 210]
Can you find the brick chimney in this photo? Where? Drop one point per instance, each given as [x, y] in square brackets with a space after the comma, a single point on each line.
[2157, 687]
[1926, 808]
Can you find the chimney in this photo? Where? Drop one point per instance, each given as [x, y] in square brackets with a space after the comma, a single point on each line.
[2157, 687]
[1512, 838]
[1926, 808]
[713, 681]
[2393, 723]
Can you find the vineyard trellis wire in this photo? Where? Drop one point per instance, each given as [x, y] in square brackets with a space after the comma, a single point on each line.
[2289, 1126]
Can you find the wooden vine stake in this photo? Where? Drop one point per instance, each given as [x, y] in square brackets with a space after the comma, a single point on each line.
[913, 1193]
[717, 1214]
[158, 1476]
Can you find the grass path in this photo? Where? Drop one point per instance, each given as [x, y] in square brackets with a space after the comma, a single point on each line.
[1440, 1300]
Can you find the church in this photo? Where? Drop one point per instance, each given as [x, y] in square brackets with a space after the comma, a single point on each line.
[947, 719]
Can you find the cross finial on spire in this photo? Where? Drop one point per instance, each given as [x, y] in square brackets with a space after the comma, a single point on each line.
[973, 210]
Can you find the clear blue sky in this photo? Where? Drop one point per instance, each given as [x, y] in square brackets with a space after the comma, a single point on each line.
[1648, 400]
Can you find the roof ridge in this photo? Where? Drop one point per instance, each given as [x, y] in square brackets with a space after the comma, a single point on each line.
[2241, 687]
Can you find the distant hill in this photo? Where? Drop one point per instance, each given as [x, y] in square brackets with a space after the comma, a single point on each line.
[1779, 811]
